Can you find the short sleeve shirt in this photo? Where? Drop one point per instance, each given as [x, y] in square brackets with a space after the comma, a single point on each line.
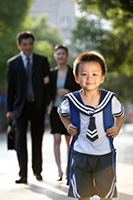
[100, 146]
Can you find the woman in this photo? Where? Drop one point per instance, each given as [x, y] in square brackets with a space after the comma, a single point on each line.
[62, 82]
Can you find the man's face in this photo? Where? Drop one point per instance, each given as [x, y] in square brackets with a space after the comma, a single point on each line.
[27, 46]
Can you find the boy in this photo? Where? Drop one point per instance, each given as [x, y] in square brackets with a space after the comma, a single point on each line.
[88, 116]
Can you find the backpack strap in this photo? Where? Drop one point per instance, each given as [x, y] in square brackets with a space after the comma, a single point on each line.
[109, 122]
[75, 119]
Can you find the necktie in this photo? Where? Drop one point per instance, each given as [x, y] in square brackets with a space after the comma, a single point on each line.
[30, 93]
[92, 131]
[28, 66]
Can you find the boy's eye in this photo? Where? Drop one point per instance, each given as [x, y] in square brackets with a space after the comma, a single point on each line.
[94, 74]
[83, 74]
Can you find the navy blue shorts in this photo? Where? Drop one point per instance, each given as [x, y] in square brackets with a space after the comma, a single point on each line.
[92, 175]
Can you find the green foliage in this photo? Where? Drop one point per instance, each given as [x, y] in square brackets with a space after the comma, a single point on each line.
[119, 84]
[107, 8]
[115, 43]
[44, 47]
[90, 34]
[46, 36]
[14, 19]
[11, 15]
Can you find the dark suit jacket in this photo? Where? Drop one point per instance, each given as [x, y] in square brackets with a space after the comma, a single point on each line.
[70, 82]
[17, 83]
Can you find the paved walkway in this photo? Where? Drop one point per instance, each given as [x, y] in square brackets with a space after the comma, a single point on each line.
[49, 189]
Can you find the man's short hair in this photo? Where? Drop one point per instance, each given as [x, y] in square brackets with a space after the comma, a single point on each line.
[24, 35]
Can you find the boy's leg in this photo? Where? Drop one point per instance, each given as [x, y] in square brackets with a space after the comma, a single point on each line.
[104, 178]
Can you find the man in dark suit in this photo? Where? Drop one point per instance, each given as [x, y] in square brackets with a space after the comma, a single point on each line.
[27, 96]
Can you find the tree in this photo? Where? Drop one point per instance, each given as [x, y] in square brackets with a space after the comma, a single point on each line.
[11, 15]
[13, 22]
[10, 22]
[89, 34]
[119, 84]
[115, 43]
[119, 13]
[46, 36]
[117, 7]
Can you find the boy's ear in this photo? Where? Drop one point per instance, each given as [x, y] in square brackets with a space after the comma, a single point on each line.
[76, 79]
[103, 78]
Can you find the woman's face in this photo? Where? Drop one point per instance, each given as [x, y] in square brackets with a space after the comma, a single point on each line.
[61, 56]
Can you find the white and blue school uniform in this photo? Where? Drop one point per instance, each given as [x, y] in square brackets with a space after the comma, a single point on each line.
[92, 142]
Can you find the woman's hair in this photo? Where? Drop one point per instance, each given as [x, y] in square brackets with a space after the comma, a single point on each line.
[88, 57]
[24, 35]
[61, 47]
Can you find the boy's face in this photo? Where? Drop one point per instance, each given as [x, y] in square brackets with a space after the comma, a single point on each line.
[90, 75]
[27, 46]
[61, 56]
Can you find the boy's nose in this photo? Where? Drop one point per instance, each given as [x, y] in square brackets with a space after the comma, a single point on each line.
[88, 77]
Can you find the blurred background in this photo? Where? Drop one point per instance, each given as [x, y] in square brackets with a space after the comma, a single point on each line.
[100, 25]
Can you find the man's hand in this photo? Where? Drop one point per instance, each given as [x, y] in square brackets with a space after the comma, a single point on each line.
[46, 80]
[9, 115]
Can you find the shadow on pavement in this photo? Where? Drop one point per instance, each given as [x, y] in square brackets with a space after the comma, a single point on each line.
[50, 190]
[123, 196]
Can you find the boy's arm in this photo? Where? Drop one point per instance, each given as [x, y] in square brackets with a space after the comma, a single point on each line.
[72, 130]
[114, 130]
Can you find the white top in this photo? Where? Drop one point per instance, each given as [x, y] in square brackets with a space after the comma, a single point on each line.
[82, 144]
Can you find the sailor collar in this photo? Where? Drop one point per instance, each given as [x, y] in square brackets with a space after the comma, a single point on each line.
[76, 100]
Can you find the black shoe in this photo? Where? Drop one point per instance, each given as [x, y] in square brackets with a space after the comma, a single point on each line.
[59, 179]
[22, 180]
[38, 177]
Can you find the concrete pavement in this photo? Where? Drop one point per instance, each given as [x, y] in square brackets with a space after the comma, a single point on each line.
[49, 189]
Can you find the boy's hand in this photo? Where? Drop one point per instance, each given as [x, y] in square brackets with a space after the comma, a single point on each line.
[72, 130]
[113, 131]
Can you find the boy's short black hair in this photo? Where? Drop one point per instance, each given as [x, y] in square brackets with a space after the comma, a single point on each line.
[88, 57]
[62, 46]
[24, 35]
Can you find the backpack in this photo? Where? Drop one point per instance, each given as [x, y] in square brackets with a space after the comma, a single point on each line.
[108, 120]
